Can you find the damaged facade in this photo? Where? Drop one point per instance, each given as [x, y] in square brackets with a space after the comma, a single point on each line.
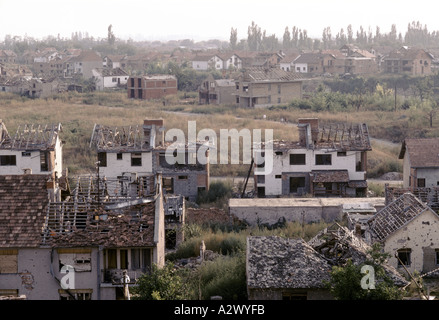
[327, 161]
[151, 87]
[34, 148]
[97, 234]
[140, 151]
[292, 269]
[260, 87]
[408, 229]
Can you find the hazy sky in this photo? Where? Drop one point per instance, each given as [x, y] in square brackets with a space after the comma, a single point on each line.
[206, 19]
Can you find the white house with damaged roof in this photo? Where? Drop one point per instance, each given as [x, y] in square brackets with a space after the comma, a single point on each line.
[33, 148]
[109, 78]
[130, 152]
[327, 161]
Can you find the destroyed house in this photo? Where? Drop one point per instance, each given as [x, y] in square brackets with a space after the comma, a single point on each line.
[420, 163]
[261, 87]
[93, 235]
[328, 161]
[337, 244]
[408, 230]
[151, 87]
[219, 91]
[140, 151]
[34, 148]
[285, 269]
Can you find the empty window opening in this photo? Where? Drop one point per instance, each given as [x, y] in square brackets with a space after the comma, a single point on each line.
[296, 183]
[297, 159]
[44, 161]
[8, 160]
[102, 159]
[136, 159]
[404, 257]
[324, 159]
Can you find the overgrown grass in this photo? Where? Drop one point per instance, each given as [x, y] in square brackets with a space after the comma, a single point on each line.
[79, 112]
[225, 242]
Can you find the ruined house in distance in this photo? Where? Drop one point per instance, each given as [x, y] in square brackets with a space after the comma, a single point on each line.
[139, 151]
[327, 161]
[261, 87]
[34, 148]
[151, 87]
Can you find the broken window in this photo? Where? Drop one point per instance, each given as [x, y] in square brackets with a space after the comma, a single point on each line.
[421, 182]
[297, 159]
[25, 154]
[136, 159]
[102, 158]
[296, 183]
[323, 159]
[168, 185]
[8, 160]
[119, 156]
[8, 261]
[404, 257]
[341, 154]
[78, 259]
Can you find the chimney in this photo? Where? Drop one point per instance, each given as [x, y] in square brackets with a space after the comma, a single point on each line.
[308, 131]
[153, 132]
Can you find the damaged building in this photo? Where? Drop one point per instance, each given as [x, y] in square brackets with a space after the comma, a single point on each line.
[140, 151]
[328, 161]
[33, 148]
[292, 269]
[408, 230]
[96, 235]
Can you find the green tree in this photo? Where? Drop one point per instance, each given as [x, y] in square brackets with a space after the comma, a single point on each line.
[111, 38]
[233, 39]
[346, 281]
[161, 284]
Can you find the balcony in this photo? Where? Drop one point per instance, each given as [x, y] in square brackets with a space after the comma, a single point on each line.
[114, 276]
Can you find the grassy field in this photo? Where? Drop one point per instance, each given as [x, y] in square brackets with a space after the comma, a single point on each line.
[79, 112]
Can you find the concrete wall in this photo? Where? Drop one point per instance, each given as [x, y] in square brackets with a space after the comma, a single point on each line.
[421, 235]
[270, 211]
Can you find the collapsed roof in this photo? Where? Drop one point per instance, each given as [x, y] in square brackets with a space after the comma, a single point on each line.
[30, 137]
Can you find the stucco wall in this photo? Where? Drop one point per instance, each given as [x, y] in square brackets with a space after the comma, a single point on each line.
[421, 235]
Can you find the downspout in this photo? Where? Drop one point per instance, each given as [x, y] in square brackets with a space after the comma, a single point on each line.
[99, 272]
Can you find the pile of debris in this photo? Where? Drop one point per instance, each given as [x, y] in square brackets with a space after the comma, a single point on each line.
[337, 244]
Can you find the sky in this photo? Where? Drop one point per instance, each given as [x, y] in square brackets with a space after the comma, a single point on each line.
[206, 19]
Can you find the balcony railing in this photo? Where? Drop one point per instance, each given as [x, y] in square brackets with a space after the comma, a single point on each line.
[114, 276]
